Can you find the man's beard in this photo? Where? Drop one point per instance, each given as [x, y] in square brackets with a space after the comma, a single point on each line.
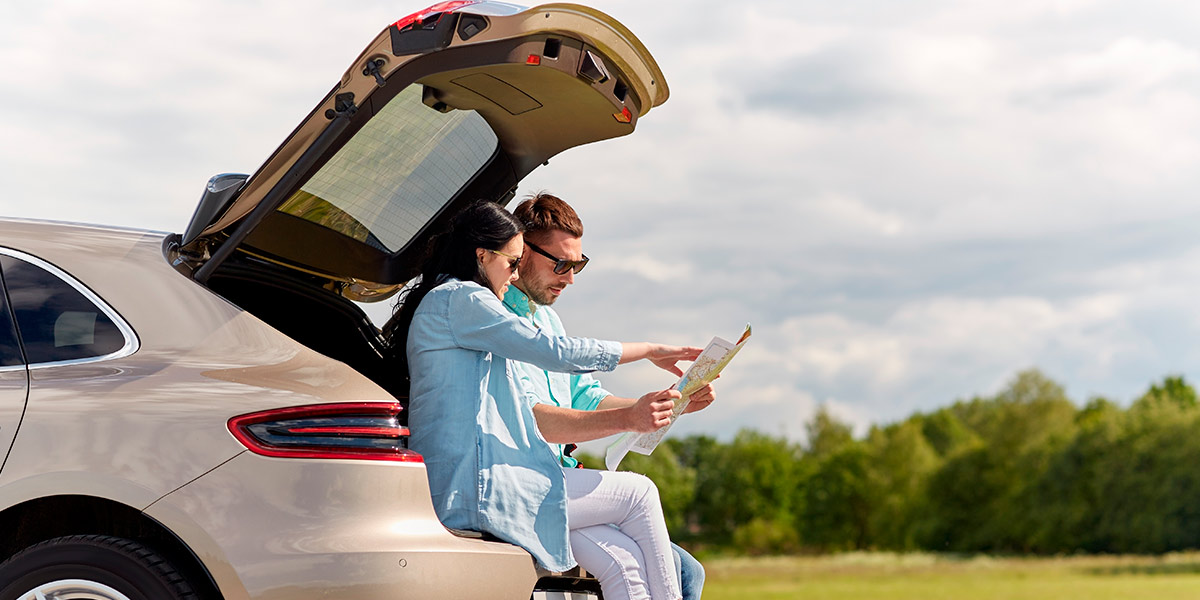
[540, 296]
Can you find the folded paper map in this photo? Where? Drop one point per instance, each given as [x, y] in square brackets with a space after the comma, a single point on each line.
[706, 368]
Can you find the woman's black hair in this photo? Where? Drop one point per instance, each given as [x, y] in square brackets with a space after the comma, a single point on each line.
[451, 253]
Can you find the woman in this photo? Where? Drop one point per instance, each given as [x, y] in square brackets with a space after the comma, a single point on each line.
[489, 468]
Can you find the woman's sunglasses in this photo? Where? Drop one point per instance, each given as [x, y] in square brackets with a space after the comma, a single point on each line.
[561, 266]
[513, 261]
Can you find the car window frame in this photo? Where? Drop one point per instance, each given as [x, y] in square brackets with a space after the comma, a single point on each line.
[6, 308]
[132, 342]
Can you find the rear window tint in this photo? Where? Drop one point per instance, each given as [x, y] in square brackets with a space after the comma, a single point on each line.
[396, 173]
[57, 322]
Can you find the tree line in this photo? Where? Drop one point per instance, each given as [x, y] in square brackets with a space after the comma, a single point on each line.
[1024, 471]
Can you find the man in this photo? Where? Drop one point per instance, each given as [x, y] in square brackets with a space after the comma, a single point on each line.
[574, 408]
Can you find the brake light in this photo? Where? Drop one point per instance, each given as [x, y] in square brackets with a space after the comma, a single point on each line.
[441, 7]
[360, 430]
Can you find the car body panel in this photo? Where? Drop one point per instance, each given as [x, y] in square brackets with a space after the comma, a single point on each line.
[358, 529]
[14, 386]
[135, 428]
[149, 431]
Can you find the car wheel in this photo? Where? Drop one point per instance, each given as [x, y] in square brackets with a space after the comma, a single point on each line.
[91, 567]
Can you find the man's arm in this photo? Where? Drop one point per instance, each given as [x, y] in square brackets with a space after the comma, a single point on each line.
[701, 398]
[568, 425]
[611, 402]
[614, 415]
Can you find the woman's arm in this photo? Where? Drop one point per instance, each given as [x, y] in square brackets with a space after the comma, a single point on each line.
[663, 356]
[479, 321]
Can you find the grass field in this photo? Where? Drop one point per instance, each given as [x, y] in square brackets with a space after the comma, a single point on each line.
[878, 576]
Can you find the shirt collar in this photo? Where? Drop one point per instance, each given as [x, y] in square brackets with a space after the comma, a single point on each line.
[519, 303]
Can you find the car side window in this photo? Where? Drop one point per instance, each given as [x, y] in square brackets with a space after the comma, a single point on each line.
[56, 321]
[10, 346]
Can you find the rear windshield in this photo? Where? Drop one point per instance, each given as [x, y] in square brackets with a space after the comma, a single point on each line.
[396, 173]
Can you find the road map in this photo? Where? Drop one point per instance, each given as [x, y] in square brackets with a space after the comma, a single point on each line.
[706, 368]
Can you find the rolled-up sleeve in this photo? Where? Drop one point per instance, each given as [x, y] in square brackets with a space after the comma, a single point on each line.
[525, 384]
[586, 392]
[479, 321]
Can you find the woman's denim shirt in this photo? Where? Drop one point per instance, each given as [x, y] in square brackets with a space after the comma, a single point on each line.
[489, 467]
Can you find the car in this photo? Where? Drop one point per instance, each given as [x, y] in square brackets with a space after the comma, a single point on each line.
[210, 414]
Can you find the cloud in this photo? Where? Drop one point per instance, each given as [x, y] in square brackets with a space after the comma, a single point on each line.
[909, 201]
[1127, 65]
[166, 95]
[843, 80]
[653, 269]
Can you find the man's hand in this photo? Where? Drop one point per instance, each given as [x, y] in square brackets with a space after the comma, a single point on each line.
[652, 411]
[701, 398]
[665, 357]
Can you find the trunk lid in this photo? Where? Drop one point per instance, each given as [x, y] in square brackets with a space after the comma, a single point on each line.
[446, 106]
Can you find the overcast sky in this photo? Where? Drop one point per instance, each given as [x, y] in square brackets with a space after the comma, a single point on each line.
[909, 201]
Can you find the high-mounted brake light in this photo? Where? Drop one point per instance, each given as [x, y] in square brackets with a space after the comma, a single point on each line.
[359, 430]
[441, 7]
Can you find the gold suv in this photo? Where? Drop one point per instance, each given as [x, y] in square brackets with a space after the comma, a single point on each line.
[206, 415]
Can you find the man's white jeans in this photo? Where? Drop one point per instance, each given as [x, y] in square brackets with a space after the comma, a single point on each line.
[618, 534]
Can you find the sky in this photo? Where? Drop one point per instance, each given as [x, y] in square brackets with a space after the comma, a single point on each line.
[910, 201]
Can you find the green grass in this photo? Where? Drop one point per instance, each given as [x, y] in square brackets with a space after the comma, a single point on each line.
[880, 576]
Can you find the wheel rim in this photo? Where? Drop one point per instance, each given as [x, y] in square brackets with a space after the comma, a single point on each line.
[73, 589]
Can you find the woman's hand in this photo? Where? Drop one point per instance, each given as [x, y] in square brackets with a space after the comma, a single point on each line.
[665, 357]
[662, 355]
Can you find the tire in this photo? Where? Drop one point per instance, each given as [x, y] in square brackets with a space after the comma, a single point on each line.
[91, 567]
[567, 587]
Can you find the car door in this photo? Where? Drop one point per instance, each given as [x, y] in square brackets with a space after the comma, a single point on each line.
[14, 376]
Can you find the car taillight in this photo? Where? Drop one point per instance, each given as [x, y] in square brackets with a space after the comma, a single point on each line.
[420, 17]
[361, 430]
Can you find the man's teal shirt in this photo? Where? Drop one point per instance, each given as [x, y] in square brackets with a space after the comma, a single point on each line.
[580, 392]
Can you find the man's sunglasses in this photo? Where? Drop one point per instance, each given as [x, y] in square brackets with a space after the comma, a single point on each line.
[561, 266]
[513, 261]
